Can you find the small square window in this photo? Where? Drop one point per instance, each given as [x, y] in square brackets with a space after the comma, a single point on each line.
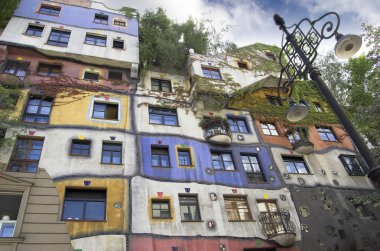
[118, 22]
[26, 155]
[80, 147]
[85, 205]
[117, 43]
[11, 209]
[295, 165]
[237, 124]
[162, 116]
[91, 76]
[34, 30]
[115, 75]
[38, 109]
[273, 100]
[161, 85]
[211, 73]
[237, 208]
[189, 208]
[101, 19]
[161, 209]
[222, 161]
[269, 129]
[184, 157]
[160, 156]
[49, 70]
[326, 133]
[242, 65]
[49, 10]
[95, 40]
[106, 111]
[59, 38]
[352, 165]
[111, 153]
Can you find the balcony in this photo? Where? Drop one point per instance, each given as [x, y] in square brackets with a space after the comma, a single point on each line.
[299, 138]
[216, 130]
[276, 226]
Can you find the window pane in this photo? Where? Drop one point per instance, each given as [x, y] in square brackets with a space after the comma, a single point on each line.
[290, 167]
[301, 167]
[116, 158]
[7, 229]
[170, 120]
[106, 157]
[155, 119]
[73, 210]
[95, 210]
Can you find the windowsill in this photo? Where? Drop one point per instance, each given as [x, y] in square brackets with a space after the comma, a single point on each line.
[35, 123]
[159, 218]
[162, 167]
[302, 173]
[241, 132]
[96, 45]
[11, 239]
[357, 175]
[47, 14]
[224, 170]
[190, 221]
[84, 220]
[62, 46]
[242, 221]
[114, 164]
[30, 35]
[180, 166]
[271, 135]
[40, 75]
[92, 81]
[120, 49]
[107, 120]
[10, 171]
[100, 23]
[79, 155]
[165, 125]
[160, 91]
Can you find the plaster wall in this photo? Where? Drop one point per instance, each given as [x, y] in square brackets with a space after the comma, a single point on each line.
[56, 158]
[76, 48]
[143, 190]
[102, 243]
[328, 161]
[188, 123]
[116, 220]
[202, 156]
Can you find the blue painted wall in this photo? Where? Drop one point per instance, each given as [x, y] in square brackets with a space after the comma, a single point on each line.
[202, 154]
[75, 16]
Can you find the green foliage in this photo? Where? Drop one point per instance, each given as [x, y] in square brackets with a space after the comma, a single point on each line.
[214, 122]
[372, 198]
[128, 12]
[161, 45]
[6, 11]
[260, 108]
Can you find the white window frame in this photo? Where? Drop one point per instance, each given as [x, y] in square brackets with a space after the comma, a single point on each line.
[109, 101]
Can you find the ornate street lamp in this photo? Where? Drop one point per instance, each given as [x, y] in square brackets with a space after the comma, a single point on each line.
[299, 50]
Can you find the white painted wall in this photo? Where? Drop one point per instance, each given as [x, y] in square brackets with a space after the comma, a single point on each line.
[101, 243]
[209, 210]
[329, 162]
[14, 33]
[55, 158]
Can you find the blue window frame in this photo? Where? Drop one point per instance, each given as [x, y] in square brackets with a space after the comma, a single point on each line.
[184, 157]
[211, 73]
[80, 147]
[105, 111]
[352, 165]
[111, 153]
[326, 133]
[34, 30]
[38, 109]
[59, 38]
[237, 124]
[252, 168]
[87, 205]
[95, 40]
[26, 155]
[49, 10]
[162, 116]
[295, 165]
[222, 161]
[160, 156]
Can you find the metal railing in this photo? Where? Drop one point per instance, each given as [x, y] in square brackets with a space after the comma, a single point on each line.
[216, 131]
[276, 223]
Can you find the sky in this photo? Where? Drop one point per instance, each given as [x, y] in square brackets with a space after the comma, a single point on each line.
[251, 21]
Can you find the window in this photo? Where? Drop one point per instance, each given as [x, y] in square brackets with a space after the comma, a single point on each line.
[117, 43]
[17, 68]
[326, 134]
[111, 153]
[59, 38]
[275, 221]
[189, 207]
[91, 76]
[49, 70]
[242, 65]
[101, 19]
[222, 161]
[49, 10]
[267, 206]
[161, 209]
[237, 125]
[105, 111]
[26, 155]
[34, 30]
[273, 100]
[352, 165]
[38, 109]
[163, 116]
[8, 214]
[318, 107]
[269, 129]
[95, 40]
[161, 85]
[80, 147]
[88, 205]
[119, 22]
[160, 156]
[252, 168]
[184, 157]
[115, 75]
[237, 208]
[211, 73]
[295, 165]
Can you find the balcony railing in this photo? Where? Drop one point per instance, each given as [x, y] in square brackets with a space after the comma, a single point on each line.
[278, 227]
[218, 135]
[299, 138]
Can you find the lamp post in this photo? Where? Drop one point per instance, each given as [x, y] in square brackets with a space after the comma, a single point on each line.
[299, 50]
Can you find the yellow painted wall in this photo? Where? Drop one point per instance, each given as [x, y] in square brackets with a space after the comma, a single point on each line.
[116, 218]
